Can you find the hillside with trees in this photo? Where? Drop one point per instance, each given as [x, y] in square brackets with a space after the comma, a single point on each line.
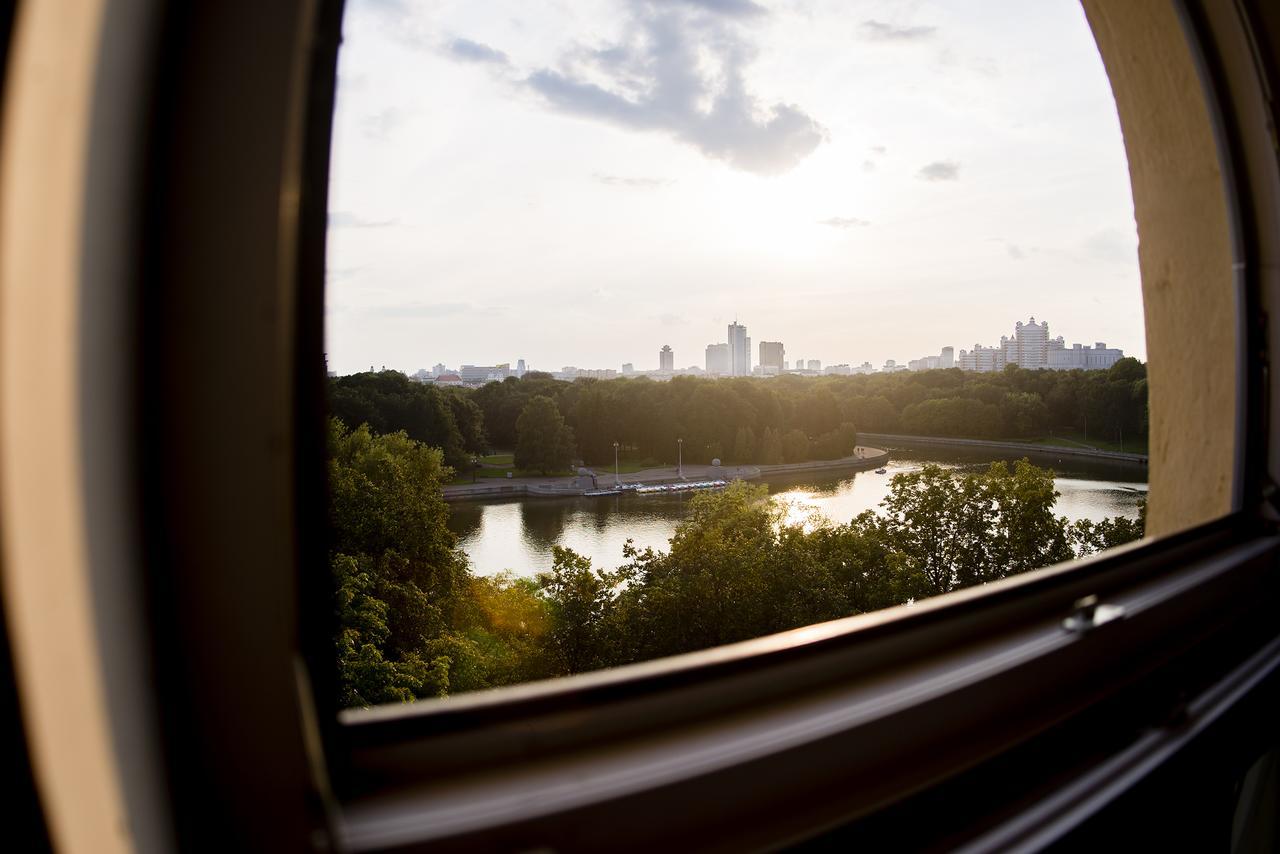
[752, 420]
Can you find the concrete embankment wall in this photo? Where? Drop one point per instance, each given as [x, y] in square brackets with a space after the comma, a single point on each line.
[846, 464]
[1047, 450]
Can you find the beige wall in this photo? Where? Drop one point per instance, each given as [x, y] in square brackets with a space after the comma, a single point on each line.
[1185, 257]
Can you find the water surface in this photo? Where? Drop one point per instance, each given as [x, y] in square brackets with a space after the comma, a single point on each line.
[517, 534]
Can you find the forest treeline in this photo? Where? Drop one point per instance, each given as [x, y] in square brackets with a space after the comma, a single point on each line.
[748, 420]
[416, 622]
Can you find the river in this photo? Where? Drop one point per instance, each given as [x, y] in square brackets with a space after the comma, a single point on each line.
[517, 534]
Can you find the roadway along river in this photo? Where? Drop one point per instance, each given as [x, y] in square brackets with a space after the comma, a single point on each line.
[517, 534]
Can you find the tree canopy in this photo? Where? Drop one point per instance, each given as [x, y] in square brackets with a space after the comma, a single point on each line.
[751, 420]
[543, 441]
[415, 622]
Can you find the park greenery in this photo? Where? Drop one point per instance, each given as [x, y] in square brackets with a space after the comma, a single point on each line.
[415, 622]
[744, 420]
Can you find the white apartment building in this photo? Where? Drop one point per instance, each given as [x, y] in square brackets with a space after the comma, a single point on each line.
[982, 359]
[666, 358]
[1099, 357]
[1032, 348]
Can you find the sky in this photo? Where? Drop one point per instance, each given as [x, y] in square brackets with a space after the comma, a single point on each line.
[579, 182]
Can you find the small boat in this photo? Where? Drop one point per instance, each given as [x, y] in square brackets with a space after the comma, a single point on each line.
[882, 471]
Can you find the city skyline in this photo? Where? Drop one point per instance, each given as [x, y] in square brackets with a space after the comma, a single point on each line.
[910, 169]
[1030, 347]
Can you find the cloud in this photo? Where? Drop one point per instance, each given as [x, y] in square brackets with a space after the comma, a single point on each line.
[868, 166]
[419, 310]
[636, 183]
[338, 274]
[347, 219]
[879, 31]
[1113, 246]
[940, 170]
[465, 50]
[679, 69]
[733, 8]
[878, 150]
[381, 125]
[1015, 252]
[844, 222]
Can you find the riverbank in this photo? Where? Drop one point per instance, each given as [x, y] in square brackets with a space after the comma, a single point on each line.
[560, 487]
[899, 441]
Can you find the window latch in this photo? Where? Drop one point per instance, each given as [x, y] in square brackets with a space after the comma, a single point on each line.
[1087, 614]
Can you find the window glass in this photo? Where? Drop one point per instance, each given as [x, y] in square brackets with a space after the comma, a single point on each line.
[654, 325]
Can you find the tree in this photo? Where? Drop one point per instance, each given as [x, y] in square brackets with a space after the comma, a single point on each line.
[579, 601]
[744, 446]
[544, 443]
[397, 571]
[770, 448]
[795, 446]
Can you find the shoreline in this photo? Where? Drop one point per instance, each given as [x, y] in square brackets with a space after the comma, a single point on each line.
[872, 458]
[902, 441]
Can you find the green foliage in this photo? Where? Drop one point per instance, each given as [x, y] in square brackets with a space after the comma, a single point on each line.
[744, 446]
[646, 418]
[389, 402]
[795, 447]
[734, 570]
[413, 622]
[544, 442]
[394, 562]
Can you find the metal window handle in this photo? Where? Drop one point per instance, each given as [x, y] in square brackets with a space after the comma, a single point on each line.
[1087, 614]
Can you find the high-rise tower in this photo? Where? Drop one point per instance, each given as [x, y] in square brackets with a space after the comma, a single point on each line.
[739, 350]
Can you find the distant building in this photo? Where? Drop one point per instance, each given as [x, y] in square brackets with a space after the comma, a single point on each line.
[948, 358]
[666, 358]
[773, 355]
[628, 369]
[1099, 357]
[982, 359]
[448, 379]
[718, 359]
[1031, 347]
[864, 368]
[814, 365]
[838, 370]
[890, 366]
[439, 369]
[476, 373]
[739, 350]
[520, 368]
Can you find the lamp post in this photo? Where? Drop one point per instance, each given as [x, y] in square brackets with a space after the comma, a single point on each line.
[680, 458]
[475, 464]
[617, 481]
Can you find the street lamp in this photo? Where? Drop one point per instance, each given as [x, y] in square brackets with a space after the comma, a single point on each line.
[617, 481]
[680, 458]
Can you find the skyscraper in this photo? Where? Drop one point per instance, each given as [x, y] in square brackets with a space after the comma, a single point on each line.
[666, 358]
[772, 355]
[718, 359]
[739, 350]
